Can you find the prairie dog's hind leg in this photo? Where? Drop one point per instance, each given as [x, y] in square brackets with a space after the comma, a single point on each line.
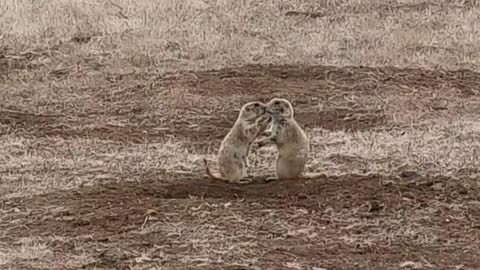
[245, 178]
[231, 168]
[271, 179]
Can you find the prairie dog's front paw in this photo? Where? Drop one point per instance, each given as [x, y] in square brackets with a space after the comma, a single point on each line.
[258, 143]
[265, 120]
[262, 144]
[266, 133]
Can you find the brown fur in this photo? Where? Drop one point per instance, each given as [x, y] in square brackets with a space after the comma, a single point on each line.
[233, 152]
[291, 141]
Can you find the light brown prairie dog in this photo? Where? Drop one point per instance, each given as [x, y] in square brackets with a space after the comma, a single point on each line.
[291, 141]
[232, 155]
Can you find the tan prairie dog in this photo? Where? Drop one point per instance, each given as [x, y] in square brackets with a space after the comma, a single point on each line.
[291, 141]
[232, 155]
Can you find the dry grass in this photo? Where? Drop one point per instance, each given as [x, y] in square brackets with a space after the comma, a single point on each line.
[445, 148]
[107, 107]
[199, 34]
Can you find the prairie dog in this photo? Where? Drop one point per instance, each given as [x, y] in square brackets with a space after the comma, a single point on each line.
[291, 141]
[232, 155]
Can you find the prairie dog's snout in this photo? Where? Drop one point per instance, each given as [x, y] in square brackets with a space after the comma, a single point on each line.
[260, 108]
[253, 110]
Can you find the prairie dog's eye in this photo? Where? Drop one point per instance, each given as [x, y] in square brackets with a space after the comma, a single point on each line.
[276, 103]
[256, 105]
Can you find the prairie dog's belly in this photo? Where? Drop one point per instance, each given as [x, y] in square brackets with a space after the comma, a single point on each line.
[289, 167]
[291, 159]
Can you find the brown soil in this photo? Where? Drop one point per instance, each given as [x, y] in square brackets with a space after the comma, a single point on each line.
[304, 86]
[367, 222]
[114, 213]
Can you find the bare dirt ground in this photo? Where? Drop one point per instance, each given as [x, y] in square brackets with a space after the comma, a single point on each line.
[107, 109]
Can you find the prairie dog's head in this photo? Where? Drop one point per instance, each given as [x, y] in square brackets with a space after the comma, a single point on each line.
[281, 107]
[253, 110]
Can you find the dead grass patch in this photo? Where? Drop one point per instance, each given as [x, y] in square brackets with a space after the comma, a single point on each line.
[206, 34]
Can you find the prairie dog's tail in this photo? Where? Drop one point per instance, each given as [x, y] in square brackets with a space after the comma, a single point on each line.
[209, 173]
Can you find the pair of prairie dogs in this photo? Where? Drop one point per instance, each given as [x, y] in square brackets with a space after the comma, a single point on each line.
[253, 120]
